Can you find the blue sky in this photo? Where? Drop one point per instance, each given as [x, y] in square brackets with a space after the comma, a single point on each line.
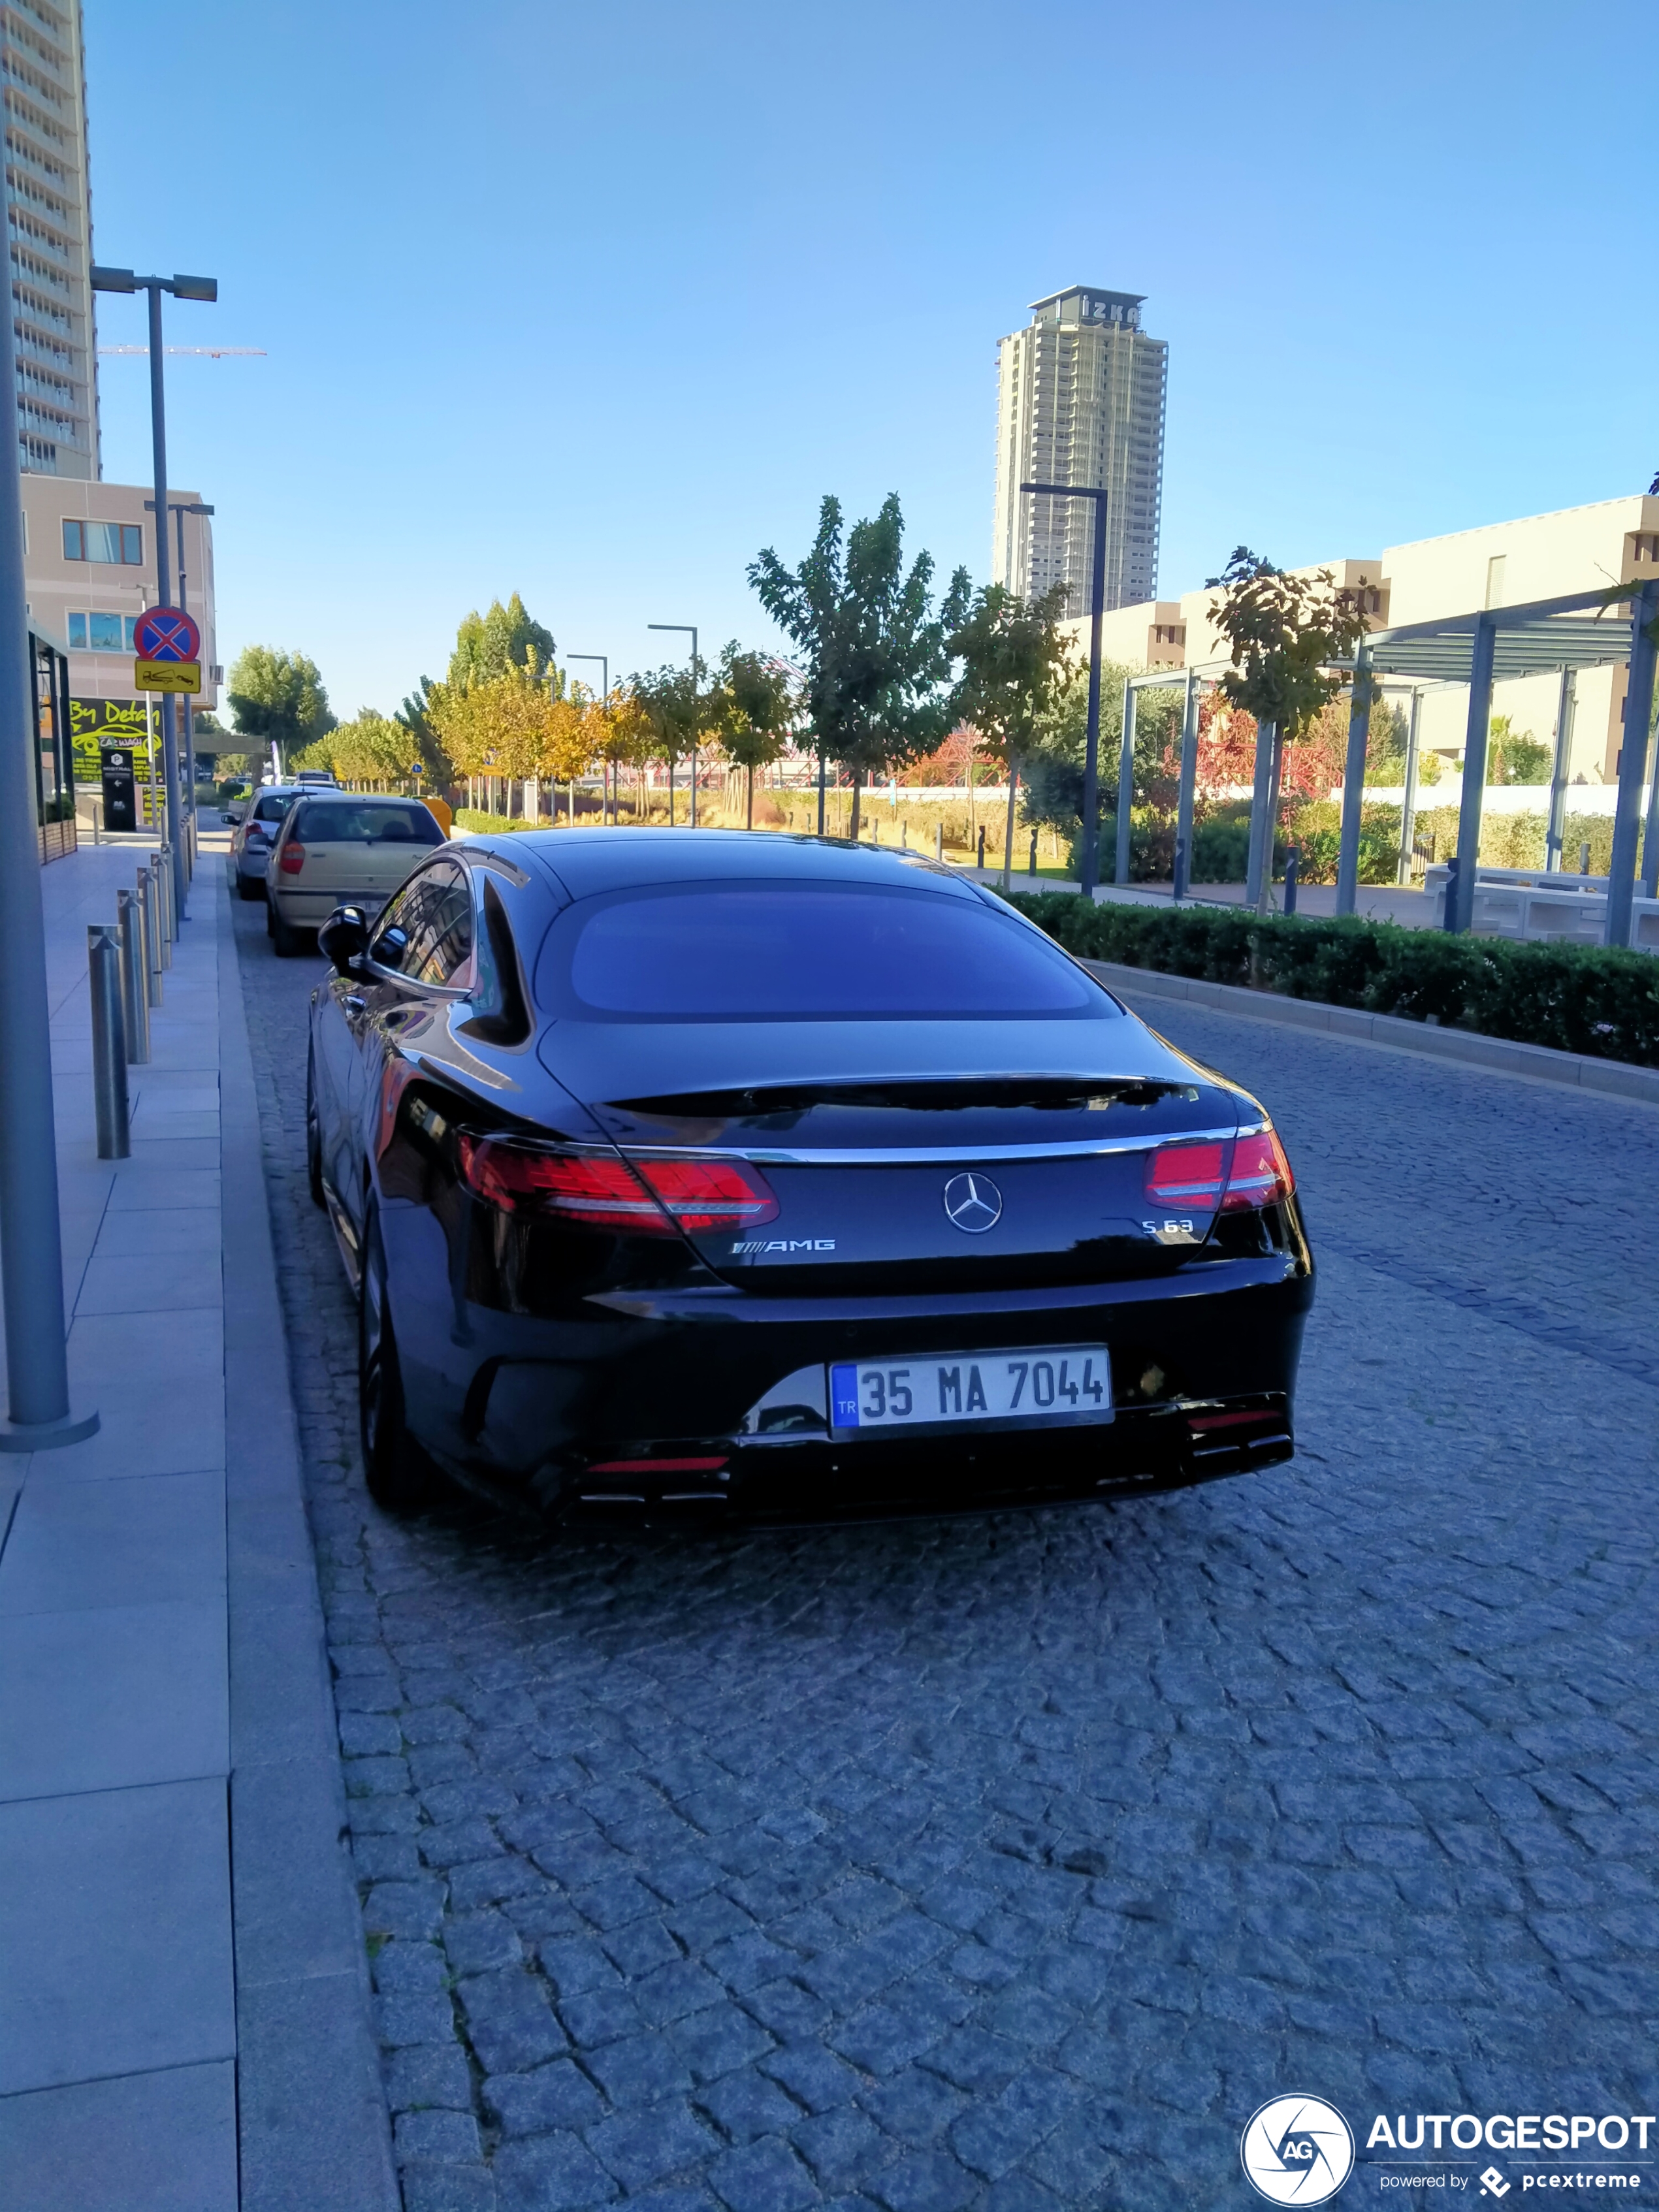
[593, 302]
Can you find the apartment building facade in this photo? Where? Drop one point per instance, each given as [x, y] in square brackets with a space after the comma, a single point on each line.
[1080, 400]
[89, 559]
[49, 233]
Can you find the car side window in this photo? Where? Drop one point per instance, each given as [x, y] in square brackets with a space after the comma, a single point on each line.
[399, 926]
[442, 946]
[426, 932]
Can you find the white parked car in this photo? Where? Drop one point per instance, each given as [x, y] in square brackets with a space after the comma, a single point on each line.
[342, 849]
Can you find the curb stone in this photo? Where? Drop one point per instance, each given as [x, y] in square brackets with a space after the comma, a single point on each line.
[311, 2114]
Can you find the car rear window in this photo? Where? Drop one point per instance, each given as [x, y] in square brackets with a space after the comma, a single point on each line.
[338, 822]
[272, 807]
[771, 952]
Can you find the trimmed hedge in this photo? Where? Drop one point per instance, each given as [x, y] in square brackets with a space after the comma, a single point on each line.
[1577, 998]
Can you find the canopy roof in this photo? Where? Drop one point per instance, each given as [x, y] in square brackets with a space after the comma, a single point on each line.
[1549, 634]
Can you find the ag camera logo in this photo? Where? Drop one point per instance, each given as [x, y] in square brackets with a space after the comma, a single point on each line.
[1297, 2150]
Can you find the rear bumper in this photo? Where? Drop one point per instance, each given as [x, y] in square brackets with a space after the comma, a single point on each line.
[540, 1407]
[303, 910]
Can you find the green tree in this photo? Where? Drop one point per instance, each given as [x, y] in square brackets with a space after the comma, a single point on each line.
[278, 697]
[416, 716]
[487, 646]
[371, 747]
[1053, 770]
[676, 710]
[1012, 657]
[873, 644]
[1284, 632]
[754, 707]
[1515, 755]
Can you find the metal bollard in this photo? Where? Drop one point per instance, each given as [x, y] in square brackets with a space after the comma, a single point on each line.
[109, 1042]
[1178, 870]
[1449, 920]
[135, 998]
[980, 863]
[161, 877]
[938, 840]
[1292, 868]
[1030, 864]
[152, 945]
[1583, 857]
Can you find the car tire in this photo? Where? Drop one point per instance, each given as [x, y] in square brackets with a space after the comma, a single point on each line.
[313, 1140]
[286, 942]
[399, 1475]
[250, 887]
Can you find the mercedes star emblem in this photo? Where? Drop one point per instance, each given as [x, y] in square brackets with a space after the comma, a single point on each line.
[973, 1203]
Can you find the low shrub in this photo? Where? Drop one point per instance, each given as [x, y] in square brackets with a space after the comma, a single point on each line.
[1581, 999]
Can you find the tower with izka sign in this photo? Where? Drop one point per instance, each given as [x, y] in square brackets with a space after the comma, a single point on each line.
[1080, 401]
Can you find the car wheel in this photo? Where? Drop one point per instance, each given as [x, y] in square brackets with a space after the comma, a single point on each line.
[286, 941]
[398, 1473]
[314, 1139]
[250, 887]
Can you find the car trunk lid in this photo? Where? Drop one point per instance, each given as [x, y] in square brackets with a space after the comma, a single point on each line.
[927, 1183]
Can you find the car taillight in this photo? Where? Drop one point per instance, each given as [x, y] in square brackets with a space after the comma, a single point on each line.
[293, 859]
[1260, 1174]
[1235, 1175]
[650, 1200]
[1187, 1175]
[710, 1193]
[577, 1185]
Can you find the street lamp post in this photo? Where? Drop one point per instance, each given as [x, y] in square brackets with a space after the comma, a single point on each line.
[690, 629]
[182, 288]
[604, 660]
[1088, 867]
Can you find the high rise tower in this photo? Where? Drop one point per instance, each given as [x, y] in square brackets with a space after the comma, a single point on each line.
[1080, 401]
[49, 229]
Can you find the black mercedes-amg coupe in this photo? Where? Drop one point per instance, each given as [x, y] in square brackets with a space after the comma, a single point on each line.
[709, 1171]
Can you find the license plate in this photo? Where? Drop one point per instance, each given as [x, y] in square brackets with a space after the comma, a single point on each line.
[1046, 1382]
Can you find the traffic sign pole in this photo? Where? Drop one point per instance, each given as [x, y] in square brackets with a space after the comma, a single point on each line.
[164, 592]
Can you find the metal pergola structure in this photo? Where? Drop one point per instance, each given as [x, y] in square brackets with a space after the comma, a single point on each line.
[1498, 645]
[1475, 651]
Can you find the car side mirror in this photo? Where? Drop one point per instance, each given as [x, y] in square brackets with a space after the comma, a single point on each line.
[233, 815]
[343, 938]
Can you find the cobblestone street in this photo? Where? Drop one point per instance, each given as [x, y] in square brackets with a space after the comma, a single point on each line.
[1012, 1862]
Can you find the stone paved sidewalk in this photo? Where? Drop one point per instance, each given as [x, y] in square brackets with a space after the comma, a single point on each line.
[183, 2019]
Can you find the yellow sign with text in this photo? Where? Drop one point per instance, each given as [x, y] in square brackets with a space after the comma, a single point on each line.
[166, 675]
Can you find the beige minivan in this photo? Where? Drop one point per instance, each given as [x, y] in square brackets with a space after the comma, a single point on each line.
[341, 848]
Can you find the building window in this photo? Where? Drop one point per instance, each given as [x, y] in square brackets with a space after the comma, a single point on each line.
[119, 542]
[102, 633]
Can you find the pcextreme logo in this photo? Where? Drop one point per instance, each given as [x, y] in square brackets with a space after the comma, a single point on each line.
[1297, 2150]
